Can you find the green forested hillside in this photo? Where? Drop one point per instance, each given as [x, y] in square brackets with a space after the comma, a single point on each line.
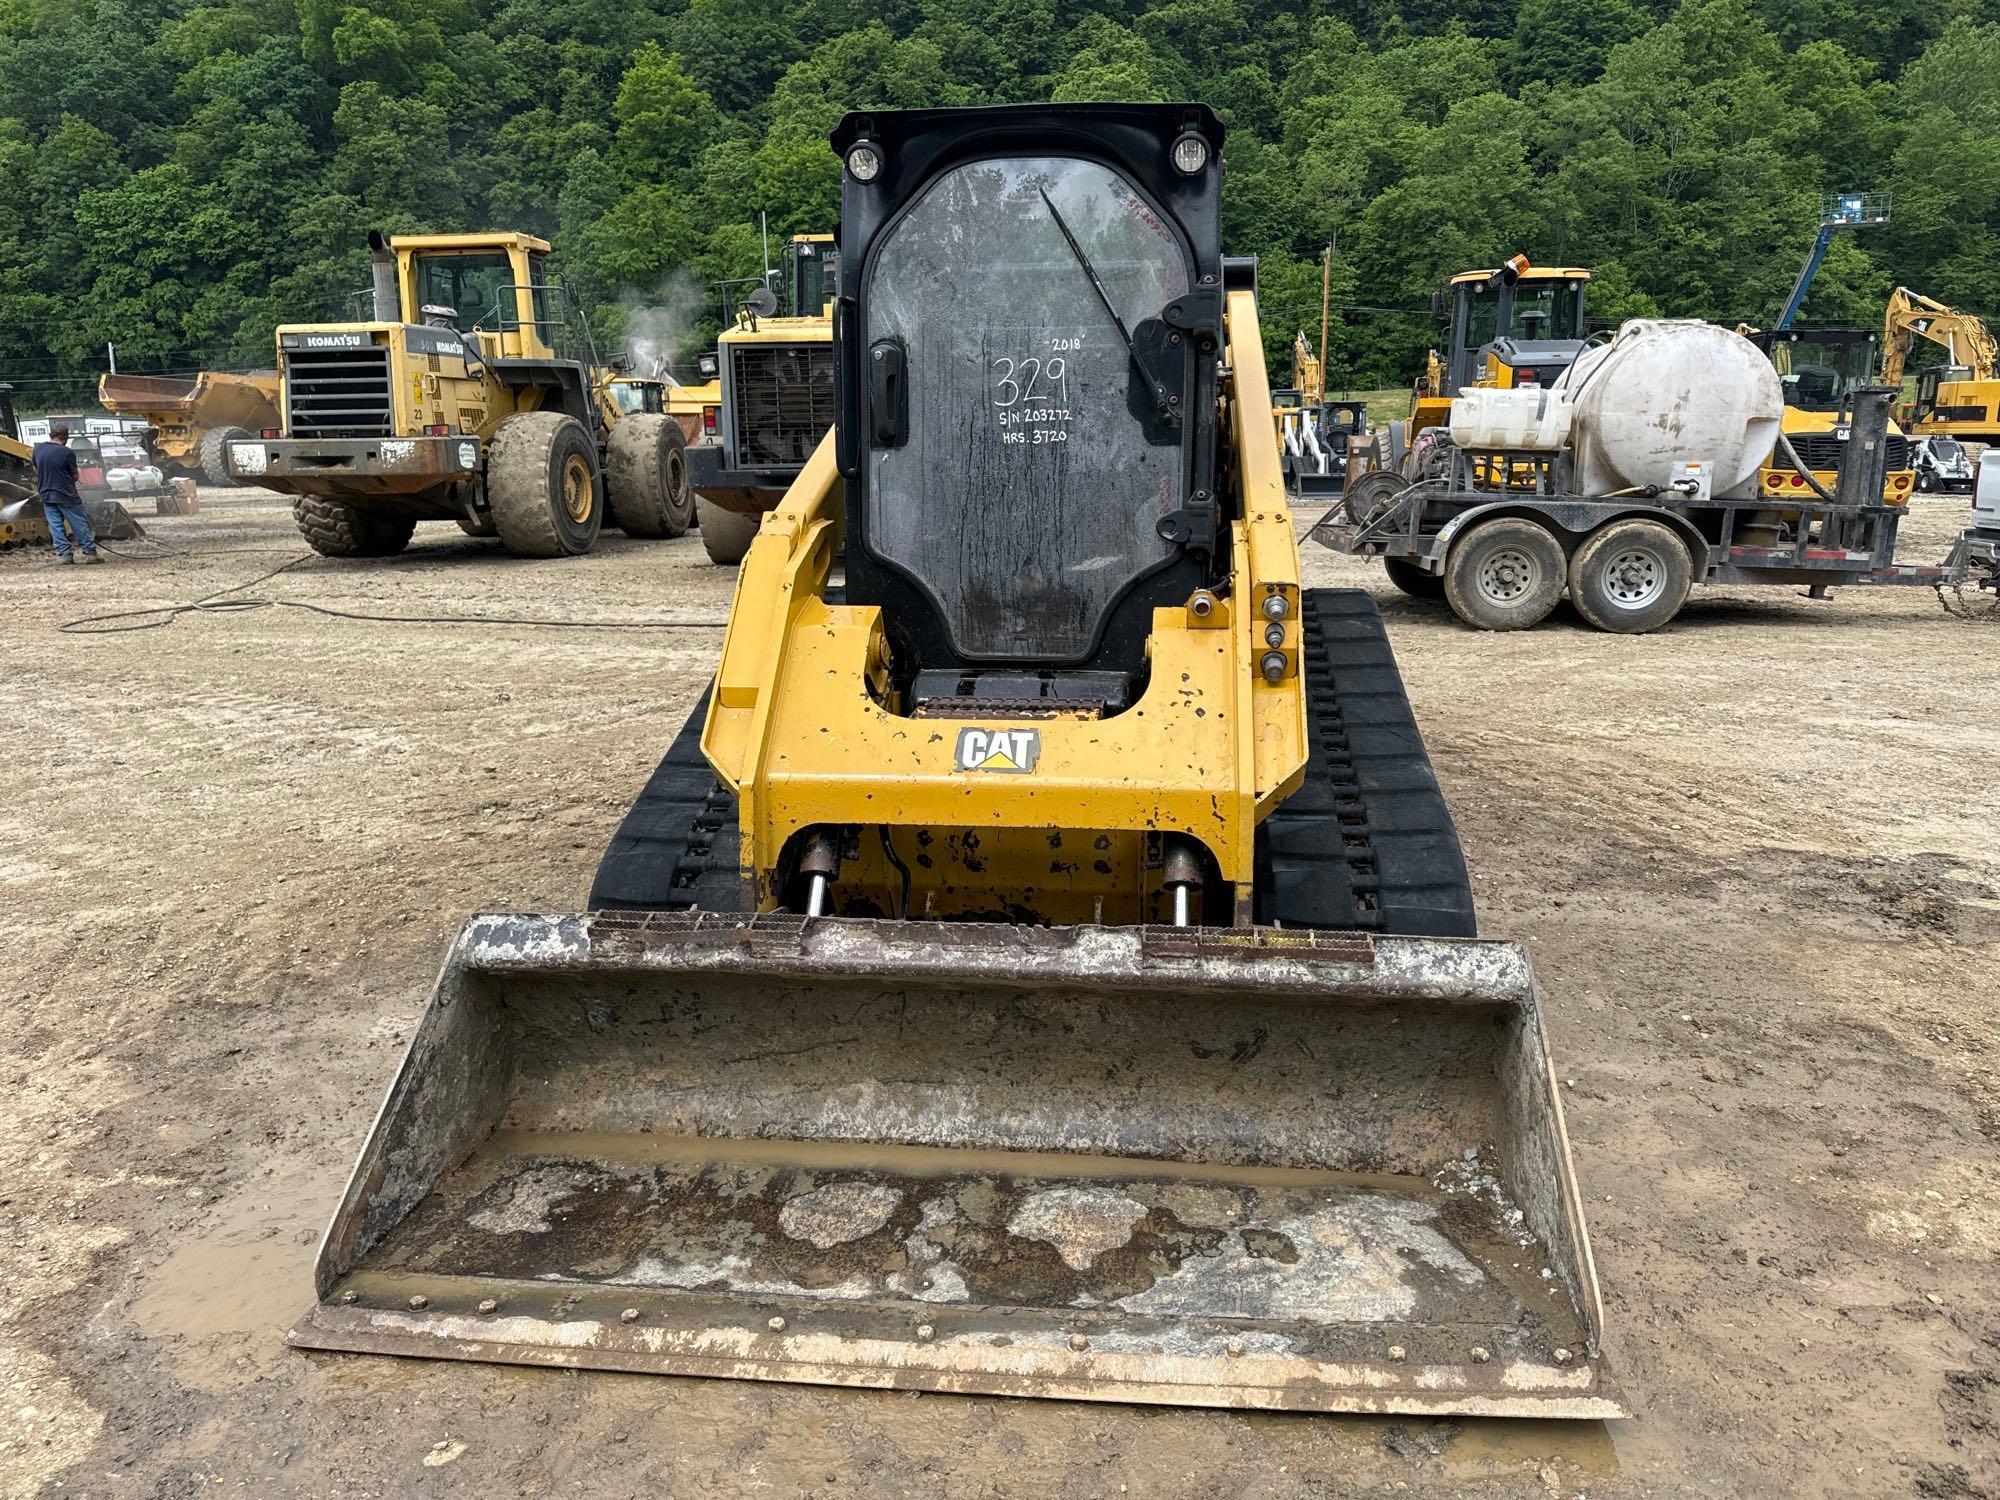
[176, 177]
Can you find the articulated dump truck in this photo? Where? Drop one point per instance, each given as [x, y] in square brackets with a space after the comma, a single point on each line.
[195, 421]
[1044, 964]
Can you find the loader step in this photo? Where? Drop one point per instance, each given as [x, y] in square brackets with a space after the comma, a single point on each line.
[1366, 842]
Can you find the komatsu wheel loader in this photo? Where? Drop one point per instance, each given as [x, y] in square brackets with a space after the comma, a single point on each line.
[474, 394]
[1044, 964]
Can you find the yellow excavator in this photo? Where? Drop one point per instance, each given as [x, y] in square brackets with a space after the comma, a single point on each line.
[1959, 398]
[1044, 964]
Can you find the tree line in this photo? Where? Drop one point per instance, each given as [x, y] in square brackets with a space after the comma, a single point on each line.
[176, 178]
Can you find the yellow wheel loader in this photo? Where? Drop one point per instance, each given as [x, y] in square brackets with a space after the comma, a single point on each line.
[775, 399]
[474, 395]
[193, 422]
[1044, 964]
[1821, 369]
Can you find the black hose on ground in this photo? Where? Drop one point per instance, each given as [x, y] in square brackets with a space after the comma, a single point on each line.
[233, 601]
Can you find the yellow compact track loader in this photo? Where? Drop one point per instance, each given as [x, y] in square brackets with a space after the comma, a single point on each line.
[1044, 964]
[474, 395]
[1821, 369]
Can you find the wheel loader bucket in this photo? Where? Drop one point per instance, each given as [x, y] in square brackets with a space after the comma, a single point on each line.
[23, 521]
[1268, 1169]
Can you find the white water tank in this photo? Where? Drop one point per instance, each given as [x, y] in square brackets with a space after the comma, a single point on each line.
[1526, 418]
[1668, 392]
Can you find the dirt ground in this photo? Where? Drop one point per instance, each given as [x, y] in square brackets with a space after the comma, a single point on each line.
[1754, 857]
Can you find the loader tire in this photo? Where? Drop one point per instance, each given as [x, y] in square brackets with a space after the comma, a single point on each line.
[476, 525]
[676, 850]
[1366, 843]
[1630, 577]
[646, 476]
[1418, 583]
[213, 456]
[1505, 574]
[727, 534]
[543, 485]
[337, 530]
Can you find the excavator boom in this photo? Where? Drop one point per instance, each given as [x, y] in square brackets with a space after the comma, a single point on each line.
[1912, 315]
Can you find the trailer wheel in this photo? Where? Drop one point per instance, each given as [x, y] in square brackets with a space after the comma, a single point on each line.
[646, 475]
[334, 529]
[1417, 582]
[1504, 574]
[543, 485]
[727, 534]
[213, 456]
[1630, 577]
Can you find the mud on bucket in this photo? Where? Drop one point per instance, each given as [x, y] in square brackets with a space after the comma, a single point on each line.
[1249, 1169]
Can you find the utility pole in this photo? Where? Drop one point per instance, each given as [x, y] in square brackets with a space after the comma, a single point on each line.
[1325, 308]
[111, 353]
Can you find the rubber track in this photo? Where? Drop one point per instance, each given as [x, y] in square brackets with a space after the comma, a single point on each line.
[1367, 842]
[677, 848]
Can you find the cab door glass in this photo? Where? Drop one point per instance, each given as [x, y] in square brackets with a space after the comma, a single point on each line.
[1025, 489]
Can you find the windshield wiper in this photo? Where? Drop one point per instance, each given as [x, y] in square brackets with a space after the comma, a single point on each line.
[1159, 390]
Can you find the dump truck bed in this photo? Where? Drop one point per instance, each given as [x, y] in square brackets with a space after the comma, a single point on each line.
[1235, 1168]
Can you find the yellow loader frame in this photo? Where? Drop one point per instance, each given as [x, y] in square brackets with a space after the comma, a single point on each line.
[803, 727]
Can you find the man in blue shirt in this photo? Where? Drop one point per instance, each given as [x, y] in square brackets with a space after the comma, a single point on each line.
[55, 478]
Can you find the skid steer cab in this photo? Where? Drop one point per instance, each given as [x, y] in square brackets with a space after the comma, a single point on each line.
[1044, 965]
[474, 395]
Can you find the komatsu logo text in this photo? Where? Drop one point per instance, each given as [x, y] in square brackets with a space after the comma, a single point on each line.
[999, 749]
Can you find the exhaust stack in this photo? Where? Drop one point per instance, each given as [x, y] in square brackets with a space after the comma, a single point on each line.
[382, 263]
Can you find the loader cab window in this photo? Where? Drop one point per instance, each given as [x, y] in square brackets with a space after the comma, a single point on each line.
[1482, 319]
[1018, 471]
[472, 285]
[635, 396]
[815, 269]
[1545, 310]
[1819, 370]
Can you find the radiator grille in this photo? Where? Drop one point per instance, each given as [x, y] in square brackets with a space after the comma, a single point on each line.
[783, 400]
[1821, 452]
[337, 393]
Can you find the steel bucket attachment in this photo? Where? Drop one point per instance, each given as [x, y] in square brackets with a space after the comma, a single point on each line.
[1253, 1169]
[23, 520]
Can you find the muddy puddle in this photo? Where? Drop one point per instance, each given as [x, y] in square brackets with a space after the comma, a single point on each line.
[222, 1299]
